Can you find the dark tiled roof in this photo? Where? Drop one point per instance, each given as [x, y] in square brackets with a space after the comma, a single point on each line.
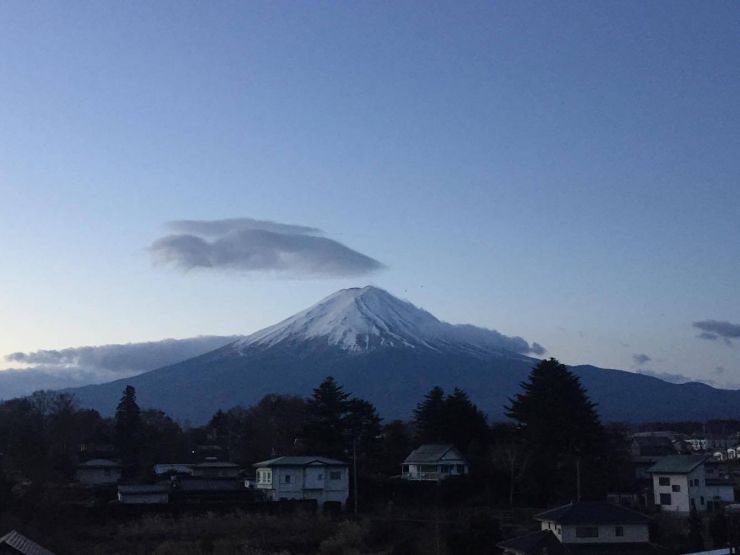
[677, 464]
[99, 463]
[300, 461]
[430, 453]
[215, 464]
[535, 544]
[212, 484]
[22, 544]
[144, 488]
[593, 513]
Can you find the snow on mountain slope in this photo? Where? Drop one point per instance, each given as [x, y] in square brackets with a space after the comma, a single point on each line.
[363, 319]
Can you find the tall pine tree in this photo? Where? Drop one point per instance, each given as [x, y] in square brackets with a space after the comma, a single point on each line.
[128, 428]
[325, 430]
[561, 429]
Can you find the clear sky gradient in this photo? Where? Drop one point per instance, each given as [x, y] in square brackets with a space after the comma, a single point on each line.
[564, 171]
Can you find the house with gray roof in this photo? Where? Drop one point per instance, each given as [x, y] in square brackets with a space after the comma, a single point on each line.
[15, 543]
[598, 527]
[99, 472]
[308, 477]
[680, 483]
[434, 462]
[543, 542]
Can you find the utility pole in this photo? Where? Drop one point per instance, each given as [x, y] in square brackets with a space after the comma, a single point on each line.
[354, 468]
[578, 478]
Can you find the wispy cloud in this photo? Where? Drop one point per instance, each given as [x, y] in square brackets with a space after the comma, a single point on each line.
[718, 330]
[245, 244]
[641, 359]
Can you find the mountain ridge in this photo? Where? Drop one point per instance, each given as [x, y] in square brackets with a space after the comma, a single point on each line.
[391, 353]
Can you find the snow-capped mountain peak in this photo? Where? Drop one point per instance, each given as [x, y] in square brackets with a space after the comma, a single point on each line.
[362, 319]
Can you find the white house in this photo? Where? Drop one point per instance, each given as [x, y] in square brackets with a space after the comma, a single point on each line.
[308, 477]
[680, 482]
[434, 462]
[99, 472]
[596, 523]
[144, 494]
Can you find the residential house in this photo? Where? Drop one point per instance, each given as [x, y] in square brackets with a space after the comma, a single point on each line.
[15, 543]
[434, 462]
[99, 472]
[685, 481]
[598, 527]
[307, 477]
[679, 483]
[543, 542]
[145, 494]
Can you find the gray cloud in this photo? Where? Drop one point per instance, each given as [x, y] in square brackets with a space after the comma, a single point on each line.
[496, 339]
[641, 358]
[255, 245]
[668, 377]
[714, 330]
[109, 362]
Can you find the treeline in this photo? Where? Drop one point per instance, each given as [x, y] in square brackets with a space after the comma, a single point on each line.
[554, 447]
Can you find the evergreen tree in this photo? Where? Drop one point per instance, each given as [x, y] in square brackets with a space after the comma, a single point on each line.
[464, 424]
[561, 429]
[451, 419]
[362, 425]
[128, 426]
[325, 430]
[429, 417]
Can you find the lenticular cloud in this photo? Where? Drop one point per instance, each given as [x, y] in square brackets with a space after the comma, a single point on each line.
[245, 244]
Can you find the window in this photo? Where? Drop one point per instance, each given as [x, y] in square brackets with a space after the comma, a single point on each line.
[320, 477]
[287, 478]
[587, 532]
[460, 468]
[404, 468]
[675, 487]
[445, 468]
[619, 531]
[701, 500]
[664, 481]
[337, 474]
[665, 499]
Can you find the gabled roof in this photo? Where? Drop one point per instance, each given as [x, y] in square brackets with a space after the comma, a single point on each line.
[535, 543]
[678, 464]
[300, 461]
[596, 512]
[22, 544]
[100, 463]
[215, 464]
[143, 488]
[431, 453]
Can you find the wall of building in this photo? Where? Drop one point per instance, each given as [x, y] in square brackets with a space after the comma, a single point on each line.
[632, 533]
[681, 501]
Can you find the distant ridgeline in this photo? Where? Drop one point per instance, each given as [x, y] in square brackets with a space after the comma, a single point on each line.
[388, 351]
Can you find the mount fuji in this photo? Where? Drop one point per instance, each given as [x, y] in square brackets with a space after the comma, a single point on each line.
[390, 352]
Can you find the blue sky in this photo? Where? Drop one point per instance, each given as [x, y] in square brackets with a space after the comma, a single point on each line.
[564, 171]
